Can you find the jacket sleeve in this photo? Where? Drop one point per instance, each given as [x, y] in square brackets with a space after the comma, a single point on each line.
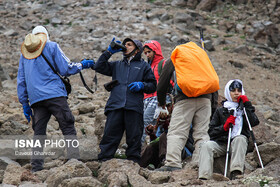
[216, 126]
[102, 65]
[21, 84]
[149, 80]
[63, 64]
[164, 81]
[250, 110]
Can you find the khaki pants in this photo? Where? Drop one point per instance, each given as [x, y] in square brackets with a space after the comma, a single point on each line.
[195, 111]
[210, 150]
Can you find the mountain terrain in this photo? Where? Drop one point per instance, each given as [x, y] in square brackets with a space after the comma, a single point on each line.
[242, 39]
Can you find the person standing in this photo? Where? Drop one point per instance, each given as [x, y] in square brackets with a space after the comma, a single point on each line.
[195, 111]
[124, 108]
[152, 50]
[41, 90]
[229, 113]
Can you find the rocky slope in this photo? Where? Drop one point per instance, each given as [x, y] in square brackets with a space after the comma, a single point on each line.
[241, 37]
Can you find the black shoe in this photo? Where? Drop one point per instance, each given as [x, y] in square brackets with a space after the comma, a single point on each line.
[35, 170]
[234, 174]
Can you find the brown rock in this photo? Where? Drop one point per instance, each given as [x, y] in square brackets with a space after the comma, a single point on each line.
[81, 182]
[206, 5]
[13, 174]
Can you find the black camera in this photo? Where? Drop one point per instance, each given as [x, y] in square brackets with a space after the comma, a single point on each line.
[110, 85]
[115, 45]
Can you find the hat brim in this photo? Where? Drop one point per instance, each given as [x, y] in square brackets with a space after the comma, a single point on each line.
[35, 54]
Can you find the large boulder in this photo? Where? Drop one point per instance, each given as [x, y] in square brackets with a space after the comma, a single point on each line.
[81, 182]
[5, 161]
[268, 152]
[72, 168]
[117, 172]
[13, 174]
[206, 5]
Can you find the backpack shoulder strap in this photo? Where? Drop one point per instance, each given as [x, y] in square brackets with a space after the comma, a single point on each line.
[160, 64]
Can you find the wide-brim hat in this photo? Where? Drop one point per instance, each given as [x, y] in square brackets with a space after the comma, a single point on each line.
[33, 45]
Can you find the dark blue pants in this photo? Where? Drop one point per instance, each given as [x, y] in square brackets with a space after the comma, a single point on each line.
[42, 113]
[117, 122]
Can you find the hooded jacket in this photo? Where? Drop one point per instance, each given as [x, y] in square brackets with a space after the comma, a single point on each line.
[156, 47]
[126, 72]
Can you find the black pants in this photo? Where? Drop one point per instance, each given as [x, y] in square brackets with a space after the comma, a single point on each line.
[42, 113]
[117, 122]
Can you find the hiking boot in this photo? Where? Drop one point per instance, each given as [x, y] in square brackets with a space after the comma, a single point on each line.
[167, 168]
[236, 174]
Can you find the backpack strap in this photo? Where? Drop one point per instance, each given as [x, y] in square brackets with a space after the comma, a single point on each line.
[160, 64]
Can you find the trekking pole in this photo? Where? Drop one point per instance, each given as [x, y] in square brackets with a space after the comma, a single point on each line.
[252, 134]
[201, 37]
[228, 145]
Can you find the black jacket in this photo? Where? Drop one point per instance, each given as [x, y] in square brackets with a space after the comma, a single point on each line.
[126, 72]
[216, 128]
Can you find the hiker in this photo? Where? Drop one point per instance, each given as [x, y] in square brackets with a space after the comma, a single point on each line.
[229, 113]
[153, 155]
[188, 110]
[152, 50]
[154, 152]
[41, 90]
[124, 108]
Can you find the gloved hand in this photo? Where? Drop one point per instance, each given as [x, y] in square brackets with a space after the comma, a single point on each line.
[112, 51]
[161, 111]
[136, 86]
[163, 122]
[87, 63]
[230, 120]
[244, 98]
[150, 130]
[27, 112]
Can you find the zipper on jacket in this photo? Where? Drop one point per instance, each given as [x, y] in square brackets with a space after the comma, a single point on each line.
[127, 76]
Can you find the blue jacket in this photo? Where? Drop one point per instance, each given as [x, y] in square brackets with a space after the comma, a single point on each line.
[37, 82]
[127, 72]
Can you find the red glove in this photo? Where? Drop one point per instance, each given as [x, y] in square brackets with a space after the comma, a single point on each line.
[230, 120]
[244, 98]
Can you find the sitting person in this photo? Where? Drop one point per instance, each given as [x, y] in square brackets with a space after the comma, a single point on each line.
[219, 132]
[153, 155]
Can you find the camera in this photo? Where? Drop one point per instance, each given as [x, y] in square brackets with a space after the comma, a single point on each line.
[115, 45]
[110, 85]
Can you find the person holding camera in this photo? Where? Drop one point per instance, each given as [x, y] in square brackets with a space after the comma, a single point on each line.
[41, 89]
[124, 108]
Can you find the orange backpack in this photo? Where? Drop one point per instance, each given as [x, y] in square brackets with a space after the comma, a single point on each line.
[194, 71]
